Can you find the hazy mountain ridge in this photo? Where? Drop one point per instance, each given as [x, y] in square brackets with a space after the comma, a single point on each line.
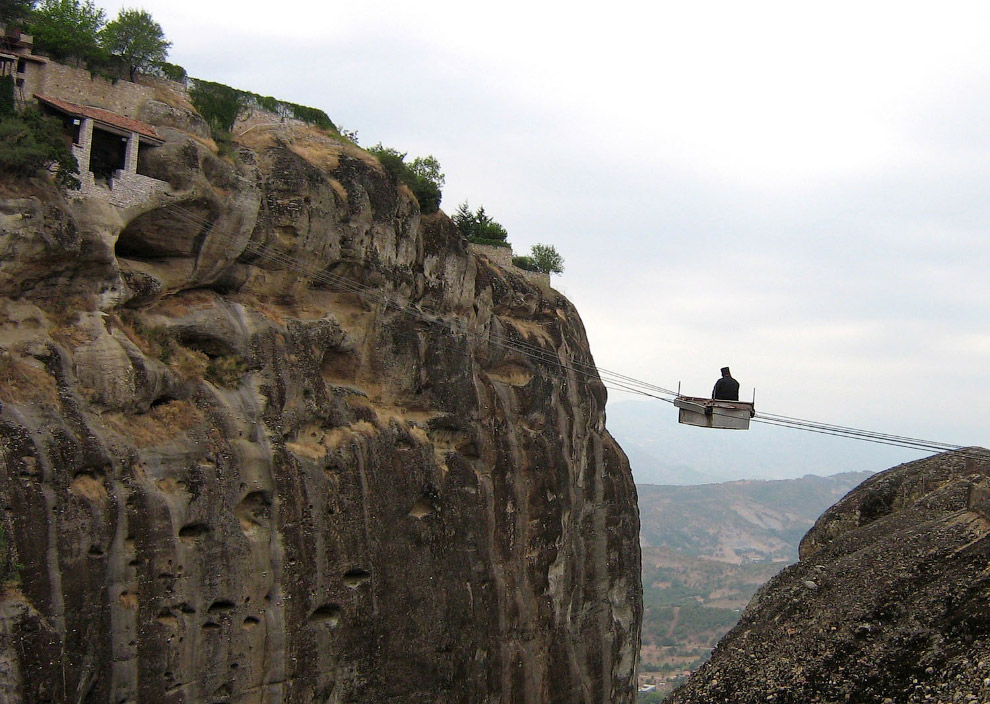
[707, 549]
[740, 521]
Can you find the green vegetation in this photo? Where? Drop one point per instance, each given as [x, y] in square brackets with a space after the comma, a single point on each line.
[69, 29]
[31, 142]
[547, 259]
[543, 258]
[76, 31]
[13, 12]
[226, 371]
[136, 40]
[218, 104]
[422, 175]
[478, 227]
[173, 72]
[8, 106]
[221, 105]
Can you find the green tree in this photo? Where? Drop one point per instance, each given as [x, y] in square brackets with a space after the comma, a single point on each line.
[422, 175]
[464, 219]
[488, 228]
[12, 12]
[32, 142]
[479, 227]
[427, 167]
[135, 39]
[547, 259]
[68, 29]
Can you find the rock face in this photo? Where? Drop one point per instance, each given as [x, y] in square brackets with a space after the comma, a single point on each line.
[888, 603]
[277, 437]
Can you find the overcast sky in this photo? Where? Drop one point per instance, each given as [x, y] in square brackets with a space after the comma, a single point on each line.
[796, 190]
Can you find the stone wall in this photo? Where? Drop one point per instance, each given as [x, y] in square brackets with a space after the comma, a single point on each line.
[124, 189]
[497, 255]
[77, 85]
[31, 78]
[502, 256]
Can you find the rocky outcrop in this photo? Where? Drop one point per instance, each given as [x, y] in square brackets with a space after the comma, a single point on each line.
[888, 603]
[278, 437]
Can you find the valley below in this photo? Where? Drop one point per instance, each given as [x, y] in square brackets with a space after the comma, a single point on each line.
[707, 549]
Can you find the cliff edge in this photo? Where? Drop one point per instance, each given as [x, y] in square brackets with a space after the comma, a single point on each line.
[272, 435]
[888, 603]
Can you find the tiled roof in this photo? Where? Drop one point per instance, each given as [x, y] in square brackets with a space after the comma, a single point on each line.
[100, 115]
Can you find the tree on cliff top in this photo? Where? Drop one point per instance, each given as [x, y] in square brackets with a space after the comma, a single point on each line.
[13, 12]
[479, 227]
[547, 259]
[422, 175]
[68, 29]
[136, 40]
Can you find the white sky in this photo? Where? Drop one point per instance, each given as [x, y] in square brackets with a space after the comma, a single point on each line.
[797, 190]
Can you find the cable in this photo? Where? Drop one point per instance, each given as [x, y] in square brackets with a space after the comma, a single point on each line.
[536, 353]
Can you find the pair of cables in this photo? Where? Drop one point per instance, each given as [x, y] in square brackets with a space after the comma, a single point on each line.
[539, 354]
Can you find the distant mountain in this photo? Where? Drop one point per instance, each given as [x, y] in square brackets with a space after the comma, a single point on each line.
[708, 548]
[740, 521]
[888, 604]
[661, 451]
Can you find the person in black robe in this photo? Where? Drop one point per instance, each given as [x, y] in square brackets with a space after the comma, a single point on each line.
[726, 388]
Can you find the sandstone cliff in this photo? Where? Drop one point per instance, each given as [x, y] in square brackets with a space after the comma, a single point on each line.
[276, 437]
[888, 604]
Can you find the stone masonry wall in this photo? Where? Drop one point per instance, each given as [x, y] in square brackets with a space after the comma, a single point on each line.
[502, 256]
[77, 85]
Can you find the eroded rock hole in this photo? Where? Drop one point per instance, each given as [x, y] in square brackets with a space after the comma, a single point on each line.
[328, 615]
[192, 532]
[250, 622]
[254, 511]
[355, 578]
[469, 449]
[219, 606]
[167, 618]
[338, 366]
[174, 231]
[423, 507]
[95, 551]
[211, 626]
[161, 401]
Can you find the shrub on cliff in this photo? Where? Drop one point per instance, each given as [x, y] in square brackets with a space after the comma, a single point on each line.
[218, 104]
[422, 175]
[221, 105]
[525, 263]
[32, 142]
[543, 258]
